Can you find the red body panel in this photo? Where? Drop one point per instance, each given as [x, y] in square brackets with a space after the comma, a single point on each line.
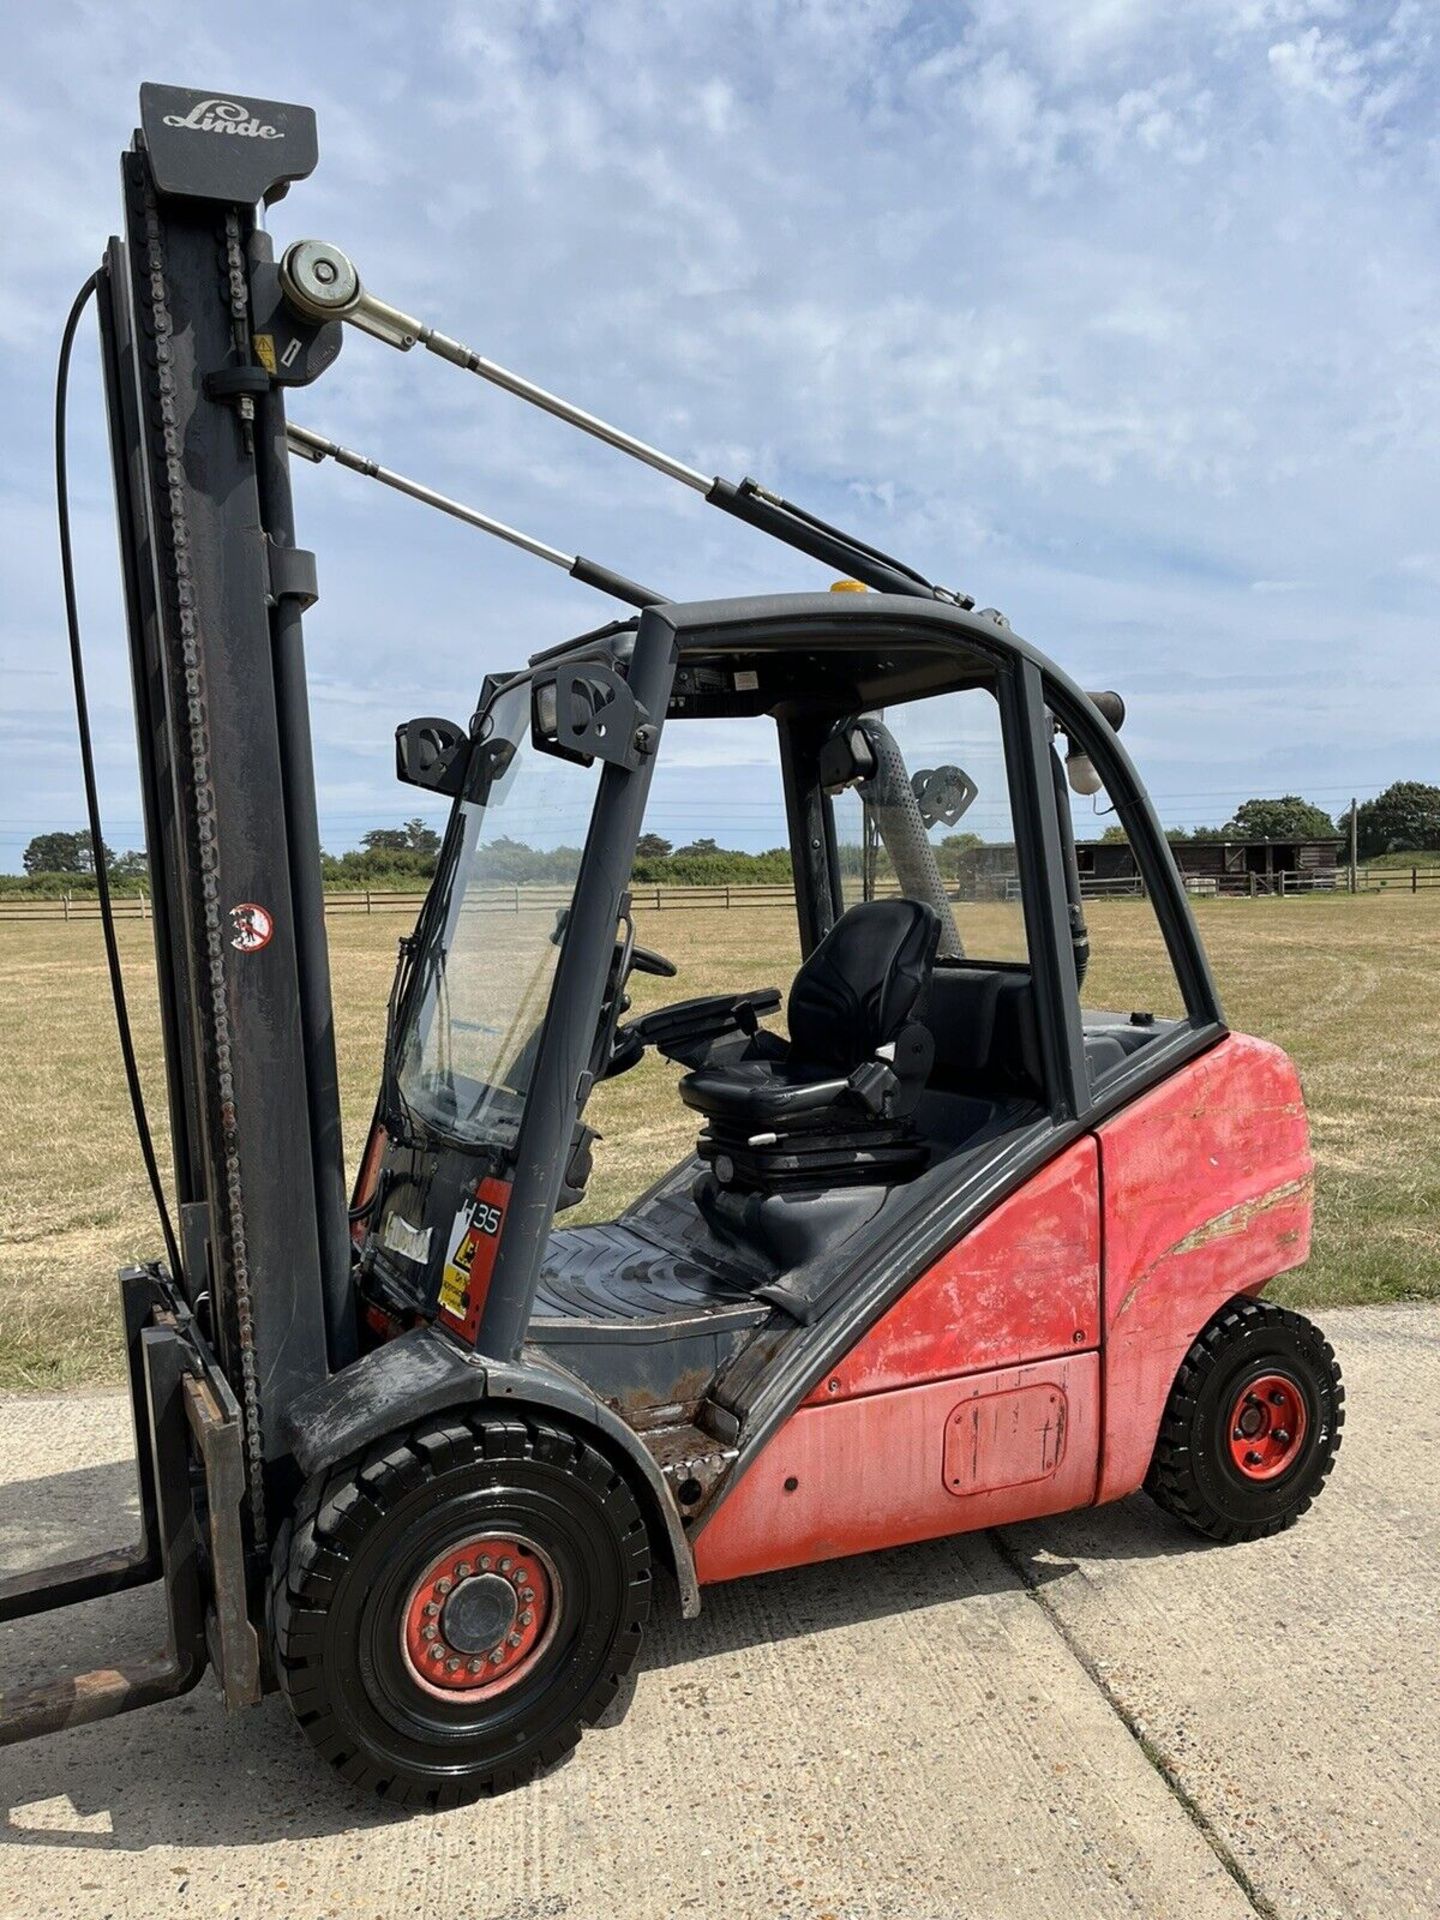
[1024, 1284]
[887, 1468]
[1207, 1184]
[930, 1424]
[975, 1400]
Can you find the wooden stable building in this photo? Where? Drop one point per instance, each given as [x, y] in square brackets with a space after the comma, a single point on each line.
[1222, 866]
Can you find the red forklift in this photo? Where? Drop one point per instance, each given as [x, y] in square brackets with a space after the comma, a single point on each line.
[953, 1248]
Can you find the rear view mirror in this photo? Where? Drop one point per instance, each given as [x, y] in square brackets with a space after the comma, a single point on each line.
[943, 794]
[433, 754]
[586, 713]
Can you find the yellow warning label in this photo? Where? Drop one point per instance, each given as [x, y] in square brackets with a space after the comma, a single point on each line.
[455, 1281]
[265, 351]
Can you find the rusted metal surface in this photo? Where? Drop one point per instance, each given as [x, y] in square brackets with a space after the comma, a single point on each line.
[75, 1699]
[1023, 1285]
[1207, 1194]
[234, 1645]
[878, 1470]
[693, 1463]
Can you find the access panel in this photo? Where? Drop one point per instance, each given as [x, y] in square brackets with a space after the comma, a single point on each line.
[888, 1468]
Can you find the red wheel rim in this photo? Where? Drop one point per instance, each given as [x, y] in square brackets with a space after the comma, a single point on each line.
[1266, 1429]
[480, 1616]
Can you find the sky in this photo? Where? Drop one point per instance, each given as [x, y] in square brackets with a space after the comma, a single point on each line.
[1123, 317]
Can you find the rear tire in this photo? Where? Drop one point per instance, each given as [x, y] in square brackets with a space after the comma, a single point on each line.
[429, 1696]
[1252, 1425]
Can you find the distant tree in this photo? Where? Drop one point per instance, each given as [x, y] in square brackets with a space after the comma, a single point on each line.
[133, 864]
[386, 840]
[653, 846]
[62, 853]
[420, 838]
[1403, 819]
[87, 854]
[698, 847]
[1116, 836]
[53, 853]
[1289, 818]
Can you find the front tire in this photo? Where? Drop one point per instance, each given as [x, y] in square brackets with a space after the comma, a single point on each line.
[450, 1609]
[1252, 1425]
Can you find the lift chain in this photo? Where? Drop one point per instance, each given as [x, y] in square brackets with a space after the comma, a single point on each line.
[211, 980]
[239, 320]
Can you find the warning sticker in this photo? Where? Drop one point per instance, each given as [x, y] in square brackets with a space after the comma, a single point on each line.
[474, 1240]
[252, 927]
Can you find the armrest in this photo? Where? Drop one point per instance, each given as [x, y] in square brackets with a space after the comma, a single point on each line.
[686, 1031]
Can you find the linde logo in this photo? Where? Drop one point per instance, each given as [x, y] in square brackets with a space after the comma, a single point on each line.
[223, 116]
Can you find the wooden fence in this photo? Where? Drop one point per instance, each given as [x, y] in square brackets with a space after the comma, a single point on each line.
[78, 908]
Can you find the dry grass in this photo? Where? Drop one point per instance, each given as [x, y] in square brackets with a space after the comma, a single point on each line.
[1350, 987]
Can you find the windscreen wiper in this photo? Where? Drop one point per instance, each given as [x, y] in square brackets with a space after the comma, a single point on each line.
[322, 284]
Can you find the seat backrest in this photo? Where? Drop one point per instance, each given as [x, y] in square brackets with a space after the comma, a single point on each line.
[983, 1023]
[862, 982]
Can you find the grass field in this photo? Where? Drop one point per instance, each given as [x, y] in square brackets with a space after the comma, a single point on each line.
[1350, 986]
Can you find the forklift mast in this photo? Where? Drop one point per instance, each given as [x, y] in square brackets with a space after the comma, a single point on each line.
[197, 349]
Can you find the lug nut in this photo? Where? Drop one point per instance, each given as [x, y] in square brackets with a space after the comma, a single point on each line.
[527, 1619]
[484, 1561]
[505, 1564]
[1277, 1397]
[432, 1632]
[443, 1586]
[437, 1653]
[477, 1666]
[462, 1572]
[432, 1609]
[514, 1640]
[528, 1594]
[1253, 1459]
[496, 1657]
[1281, 1437]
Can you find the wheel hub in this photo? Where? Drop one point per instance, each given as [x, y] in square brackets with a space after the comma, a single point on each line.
[1267, 1426]
[479, 1615]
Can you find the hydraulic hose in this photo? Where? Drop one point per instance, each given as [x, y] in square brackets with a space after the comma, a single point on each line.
[92, 794]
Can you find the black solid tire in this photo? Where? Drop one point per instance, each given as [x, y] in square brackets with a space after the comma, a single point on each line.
[1192, 1474]
[360, 1535]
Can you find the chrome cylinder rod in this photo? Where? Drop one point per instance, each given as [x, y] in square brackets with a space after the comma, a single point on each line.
[323, 284]
[315, 447]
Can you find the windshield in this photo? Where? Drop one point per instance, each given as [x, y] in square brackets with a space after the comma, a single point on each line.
[485, 971]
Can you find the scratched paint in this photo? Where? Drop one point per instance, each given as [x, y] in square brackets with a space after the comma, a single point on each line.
[873, 1471]
[1207, 1183]
[1022, 1284]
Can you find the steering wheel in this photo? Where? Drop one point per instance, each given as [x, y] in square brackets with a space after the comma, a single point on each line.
[617, 1050]
[646, 960]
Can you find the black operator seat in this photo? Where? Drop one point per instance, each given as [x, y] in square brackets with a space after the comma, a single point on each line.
[834, 1105]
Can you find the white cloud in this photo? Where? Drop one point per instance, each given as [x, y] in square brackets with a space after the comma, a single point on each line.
[1122, 317]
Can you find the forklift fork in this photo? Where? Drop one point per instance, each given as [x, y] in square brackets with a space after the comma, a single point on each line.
[187, 1438]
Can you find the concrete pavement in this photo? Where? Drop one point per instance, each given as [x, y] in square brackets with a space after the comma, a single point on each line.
[1083, 1717]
